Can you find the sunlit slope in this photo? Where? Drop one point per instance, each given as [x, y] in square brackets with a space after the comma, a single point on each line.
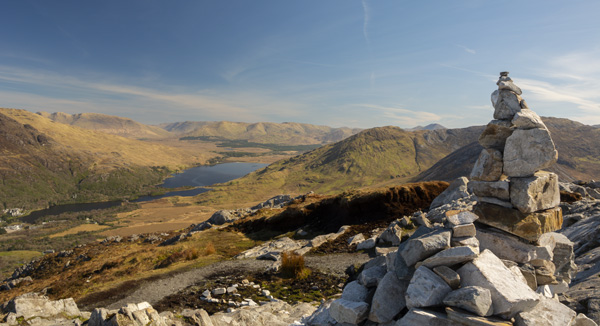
[109, 124]
[44, 163]
[289, 133]
[367, 158]
[105, 150]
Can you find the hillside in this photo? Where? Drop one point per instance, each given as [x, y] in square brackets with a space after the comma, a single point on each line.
[578, 154]
[288, 133]
[109, 124]
[365, 159]
[44, 162]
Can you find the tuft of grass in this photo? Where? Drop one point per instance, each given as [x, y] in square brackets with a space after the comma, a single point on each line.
[210, 249]
[292, 266]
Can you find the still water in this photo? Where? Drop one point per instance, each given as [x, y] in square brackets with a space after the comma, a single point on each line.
[200, 176]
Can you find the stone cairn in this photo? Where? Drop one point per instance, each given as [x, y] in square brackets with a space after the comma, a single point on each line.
[507, 270]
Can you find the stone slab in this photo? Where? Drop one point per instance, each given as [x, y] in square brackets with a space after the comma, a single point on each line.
[527, 226]
[424, 246]
[344, 311]
[474, 299]
[416, 317]
[465, 230]
[547, 312]
[510, 247]
[451, 256]
[466, 319]
[528, 151]
[426, 289]
[498, 189]
[536, 193]
[389, 299]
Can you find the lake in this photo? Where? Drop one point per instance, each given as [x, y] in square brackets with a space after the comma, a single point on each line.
[200, 176]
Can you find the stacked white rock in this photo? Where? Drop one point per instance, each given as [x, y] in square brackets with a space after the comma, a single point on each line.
[514, 193]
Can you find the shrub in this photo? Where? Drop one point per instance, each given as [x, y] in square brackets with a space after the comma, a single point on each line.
[210, 249]
[292, 265]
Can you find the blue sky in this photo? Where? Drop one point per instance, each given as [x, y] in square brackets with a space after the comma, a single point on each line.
[328, 62]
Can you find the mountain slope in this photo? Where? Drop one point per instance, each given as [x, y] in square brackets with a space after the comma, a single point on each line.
[578, 148]
[288, 133]
[109, 124]
[44, 162]
[365, 159]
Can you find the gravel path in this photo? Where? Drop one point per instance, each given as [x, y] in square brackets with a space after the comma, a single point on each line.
[154, 291]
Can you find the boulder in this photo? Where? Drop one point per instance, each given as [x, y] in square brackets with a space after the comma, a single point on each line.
[392, 235]
[222, 217]
[510, 295]
[495, 134]
[489, 166]
[535, 193]
[451, 256]
[426, 289]
[527, 119]
[563, 256]
[457, 189]
[31, 305]
[404, 271]
[464, 318]
[416, 317]
[497, 189]
[528, 272]
[507, 105]
[448, 275]
[389, 299]
[475, 299]
[355, 291]
[510, 247]
[528, 151]
[199, 316]
[367, 244]
[344, 311]
[527, 226]
[426, 245]
[322, 316]
[547, 312]
[465, 230]
[371, 277]
[358, 238]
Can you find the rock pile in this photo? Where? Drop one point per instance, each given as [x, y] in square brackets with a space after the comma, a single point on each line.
[507, 270]
[513, 192]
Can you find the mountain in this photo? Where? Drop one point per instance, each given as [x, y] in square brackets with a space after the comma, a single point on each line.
[578, 148]
[432, 126]
[289, 133]
[44, 162]
[108, 124]
[366, 159]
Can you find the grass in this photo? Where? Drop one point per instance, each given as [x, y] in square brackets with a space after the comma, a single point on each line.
[292, 266]
[114, 264]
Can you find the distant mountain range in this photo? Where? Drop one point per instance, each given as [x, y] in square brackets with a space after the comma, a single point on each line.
[433, 126]
[390, 155]
[108, 124]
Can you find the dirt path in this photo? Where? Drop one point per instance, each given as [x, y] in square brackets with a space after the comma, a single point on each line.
[155, 290]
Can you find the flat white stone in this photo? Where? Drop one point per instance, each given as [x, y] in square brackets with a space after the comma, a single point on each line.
[422, 247]
[510, 247]
[451, 256]
[510, 295]
[475, 299]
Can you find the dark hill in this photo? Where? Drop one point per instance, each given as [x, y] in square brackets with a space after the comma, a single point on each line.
[578, 148]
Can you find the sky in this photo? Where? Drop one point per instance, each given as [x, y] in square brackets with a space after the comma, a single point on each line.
[339, 63]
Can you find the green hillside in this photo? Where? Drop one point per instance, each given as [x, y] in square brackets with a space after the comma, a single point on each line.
[365, 159]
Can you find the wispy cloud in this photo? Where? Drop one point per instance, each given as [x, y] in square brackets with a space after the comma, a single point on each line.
[87, 96]
[366, 19]
[404, 117]
[468, 50]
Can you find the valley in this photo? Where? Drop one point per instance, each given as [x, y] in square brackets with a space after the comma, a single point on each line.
[111, 256]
